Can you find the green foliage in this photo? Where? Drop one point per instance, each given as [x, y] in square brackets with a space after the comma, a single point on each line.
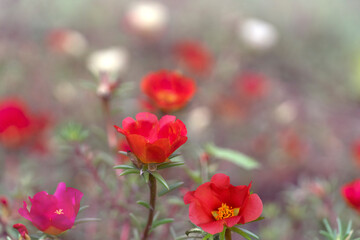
[232, 156]
[338, 234]
[169, 164]
[159, 222]
[124, 167]
[160, 179]
[73, 132]
[171, 187]
[130, 171]
[85, 220]
[144, 204]
[245, 233]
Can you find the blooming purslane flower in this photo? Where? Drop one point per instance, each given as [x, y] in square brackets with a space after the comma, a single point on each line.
[53, 214]
[194, 56]
[217, 203]
[153, 140]
[351, 194]
[18, 126]
[168, 90]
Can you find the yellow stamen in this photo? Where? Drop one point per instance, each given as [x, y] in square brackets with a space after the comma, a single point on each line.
[224, 212]
[59, 211]
[167, 96]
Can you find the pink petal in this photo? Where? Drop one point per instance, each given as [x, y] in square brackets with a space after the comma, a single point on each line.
[166, 120]
[62, 222]
[25, 212]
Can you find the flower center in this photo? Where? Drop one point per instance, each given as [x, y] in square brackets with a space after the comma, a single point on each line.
[167, 96]
[225, 211]
[59, 211]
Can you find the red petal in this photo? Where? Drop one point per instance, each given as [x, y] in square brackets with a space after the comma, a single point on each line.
[253, 208]
[146, 117]
[213, 227]
[157, 151]
[221, 180]
[137, 144]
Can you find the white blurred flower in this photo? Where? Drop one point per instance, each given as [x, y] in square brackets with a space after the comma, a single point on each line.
[286, 112]
[199, 118]
[257, 33]
[147, 17]
[68, 41]
[112, 61]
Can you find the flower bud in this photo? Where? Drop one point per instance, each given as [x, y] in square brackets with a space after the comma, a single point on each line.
[24, 234]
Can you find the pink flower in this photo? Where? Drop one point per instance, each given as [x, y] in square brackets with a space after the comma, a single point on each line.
[351, 194]
[53, 214]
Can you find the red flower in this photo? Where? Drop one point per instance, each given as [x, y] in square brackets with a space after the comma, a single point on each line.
[53, 214]
[356, 151]
[218, 203]
[18, 126]
[22, 230]
[252, 85]
[151, 140]
[194, 56]
[351, 194]
[169, 91]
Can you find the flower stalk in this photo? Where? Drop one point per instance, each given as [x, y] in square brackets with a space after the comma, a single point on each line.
[227, 234]
[152, 187]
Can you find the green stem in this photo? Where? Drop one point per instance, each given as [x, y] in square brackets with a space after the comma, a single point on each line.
[152, 187]
[227, 234]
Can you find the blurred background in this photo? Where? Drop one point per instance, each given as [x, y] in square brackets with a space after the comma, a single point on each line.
[278, 81]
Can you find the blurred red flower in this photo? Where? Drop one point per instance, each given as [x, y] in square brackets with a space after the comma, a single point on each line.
[151, 140]
[252, 85]
[19, 127]
[218, 203]
[356, 151]
[22, 231]
[351, 194]
[66, 41]
[168, 90]
[194, 56]
[53, 214]
[292, 144]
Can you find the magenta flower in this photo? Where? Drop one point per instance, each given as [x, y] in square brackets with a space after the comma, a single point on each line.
[53, 214]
